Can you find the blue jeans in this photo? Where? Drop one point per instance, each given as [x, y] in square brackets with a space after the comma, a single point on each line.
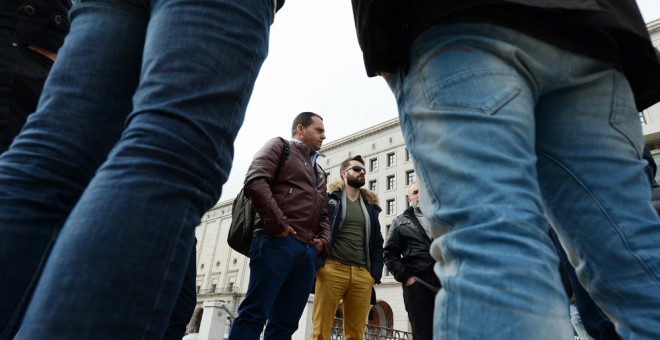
[505, 129]
[282, 271]
[130, 145]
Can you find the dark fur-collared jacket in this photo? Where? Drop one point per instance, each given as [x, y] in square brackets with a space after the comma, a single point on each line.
[374, 238]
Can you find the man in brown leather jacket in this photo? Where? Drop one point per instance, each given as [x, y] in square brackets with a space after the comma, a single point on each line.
[294, 228]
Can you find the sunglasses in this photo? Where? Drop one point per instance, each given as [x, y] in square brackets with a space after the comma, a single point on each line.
[357, 168]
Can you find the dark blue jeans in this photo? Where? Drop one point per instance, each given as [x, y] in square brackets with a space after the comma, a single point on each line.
[282, 272]
[130, 145]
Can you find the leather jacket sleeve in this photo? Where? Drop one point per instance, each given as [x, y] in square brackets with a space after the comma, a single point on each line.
[393, 251]
[258, 180]
[325, 235]
[325, 229]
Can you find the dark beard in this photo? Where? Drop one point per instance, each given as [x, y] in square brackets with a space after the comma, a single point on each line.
[355, 182]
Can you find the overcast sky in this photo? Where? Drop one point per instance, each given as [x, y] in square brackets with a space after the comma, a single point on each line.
[315, 64]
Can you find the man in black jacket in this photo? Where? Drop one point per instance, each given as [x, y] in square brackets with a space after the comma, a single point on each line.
[31, 32]
[520, 112]
[407, 257]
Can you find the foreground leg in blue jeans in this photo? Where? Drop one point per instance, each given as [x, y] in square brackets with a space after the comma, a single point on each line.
[185, 303]
[44, 174]
[118, 258]
[504, 127]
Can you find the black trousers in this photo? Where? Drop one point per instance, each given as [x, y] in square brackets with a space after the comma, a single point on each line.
[420, 301]
[22, 76]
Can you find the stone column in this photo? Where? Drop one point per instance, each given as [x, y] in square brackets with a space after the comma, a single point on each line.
[214, 321]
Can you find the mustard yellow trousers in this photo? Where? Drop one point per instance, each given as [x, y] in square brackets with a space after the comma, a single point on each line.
[336, 281]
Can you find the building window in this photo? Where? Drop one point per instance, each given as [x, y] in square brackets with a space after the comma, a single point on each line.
[391, 159]
[373, 164]
[372, 185]
[391, 208]
[391, 182]
[407, 156]
[410, 177]
[213, 287]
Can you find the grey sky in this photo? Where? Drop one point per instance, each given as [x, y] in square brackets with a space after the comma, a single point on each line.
[315, 64]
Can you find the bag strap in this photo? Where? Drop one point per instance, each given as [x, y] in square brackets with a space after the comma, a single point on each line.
[283, 156]
[410, 212]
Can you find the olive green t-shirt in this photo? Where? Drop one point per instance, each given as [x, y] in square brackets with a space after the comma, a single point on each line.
[348, 246]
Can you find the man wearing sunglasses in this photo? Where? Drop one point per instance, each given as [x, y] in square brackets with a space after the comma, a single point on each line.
[408, 258]
[355, 261]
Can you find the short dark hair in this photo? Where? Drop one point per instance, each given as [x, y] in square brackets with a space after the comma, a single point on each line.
[303, 118]
[346, 163]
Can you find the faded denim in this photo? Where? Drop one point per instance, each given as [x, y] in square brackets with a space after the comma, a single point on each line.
[506, 129]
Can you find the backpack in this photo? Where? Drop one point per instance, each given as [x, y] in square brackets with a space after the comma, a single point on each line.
[243, 215]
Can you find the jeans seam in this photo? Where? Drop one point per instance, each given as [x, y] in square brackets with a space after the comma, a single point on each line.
[166, 274]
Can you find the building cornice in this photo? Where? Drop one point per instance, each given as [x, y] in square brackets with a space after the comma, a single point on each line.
[394, 122]
[653, 26]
